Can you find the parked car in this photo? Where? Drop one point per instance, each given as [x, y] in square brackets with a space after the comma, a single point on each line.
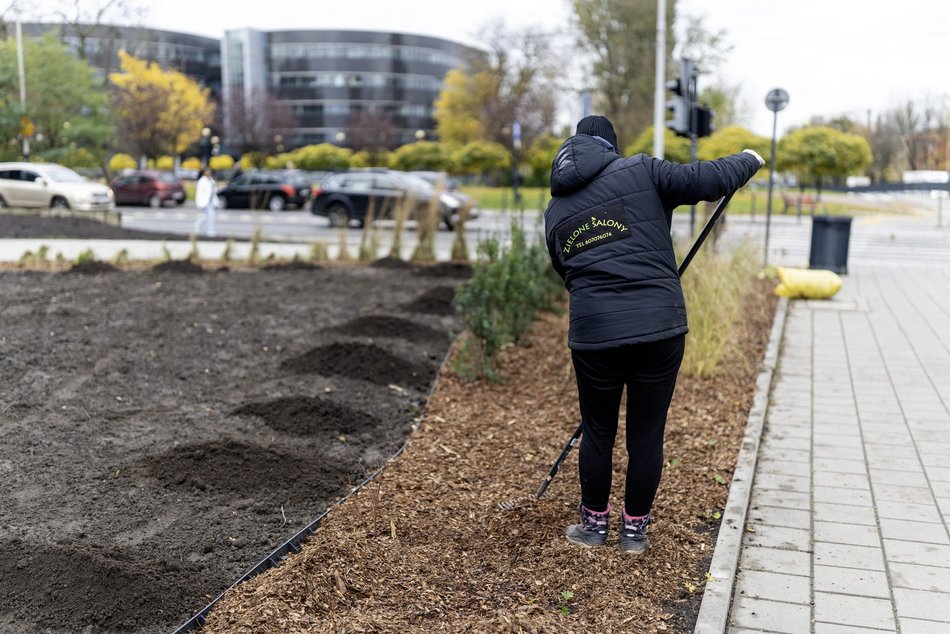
[51, 185]
[345, 198]
[451, 186]
[147, 187]
[272, 190]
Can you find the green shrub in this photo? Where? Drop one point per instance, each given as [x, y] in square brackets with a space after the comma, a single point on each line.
[122, 161]
[221, 162]
[85, 256]
[498, 305]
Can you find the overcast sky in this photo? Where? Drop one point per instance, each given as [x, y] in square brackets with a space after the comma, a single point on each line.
[832, 56]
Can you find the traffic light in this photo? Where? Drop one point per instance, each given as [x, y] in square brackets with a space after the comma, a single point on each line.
[703, 121]
[679, 106]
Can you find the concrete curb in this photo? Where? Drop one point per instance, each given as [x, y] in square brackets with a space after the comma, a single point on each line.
[717, 597]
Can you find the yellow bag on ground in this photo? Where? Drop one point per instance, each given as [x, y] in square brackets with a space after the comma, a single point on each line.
[807, 283]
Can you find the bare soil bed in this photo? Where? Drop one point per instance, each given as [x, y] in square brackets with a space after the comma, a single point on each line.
[424, 548]
[35, 226]
[164, 430]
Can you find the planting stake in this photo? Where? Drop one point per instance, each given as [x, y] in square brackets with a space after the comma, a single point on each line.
[509, 505]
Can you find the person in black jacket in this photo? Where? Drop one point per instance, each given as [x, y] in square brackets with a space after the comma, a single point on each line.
[608, 234]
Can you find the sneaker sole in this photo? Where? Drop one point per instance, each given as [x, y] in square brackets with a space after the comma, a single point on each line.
[585, 544]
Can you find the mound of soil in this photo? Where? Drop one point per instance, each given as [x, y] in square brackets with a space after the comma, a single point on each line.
[178, 266]
[294, 265]
[459, 270]
[244, 469]
[391, 263]
[309, 416]
[386, 326]
[79, 583]
[437, 301]
[365, 362]
[93, 267]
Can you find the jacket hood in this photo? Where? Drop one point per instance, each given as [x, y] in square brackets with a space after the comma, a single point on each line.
[578, 161]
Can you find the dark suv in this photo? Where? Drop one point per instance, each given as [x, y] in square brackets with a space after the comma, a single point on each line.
[347, 197]
[274, 191]
[145, 187]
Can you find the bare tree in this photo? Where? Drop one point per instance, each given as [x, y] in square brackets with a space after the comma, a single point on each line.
[522, 73]
[256, 122]
[620, 37]
[372, 131]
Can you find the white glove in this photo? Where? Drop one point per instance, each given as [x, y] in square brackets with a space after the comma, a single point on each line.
[757, 157]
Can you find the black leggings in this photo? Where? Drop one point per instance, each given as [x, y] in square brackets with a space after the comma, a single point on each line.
[649, 371]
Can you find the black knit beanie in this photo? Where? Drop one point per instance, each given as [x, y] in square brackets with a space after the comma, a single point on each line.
[596, 125]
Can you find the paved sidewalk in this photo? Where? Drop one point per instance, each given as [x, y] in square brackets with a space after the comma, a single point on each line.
[848, 524]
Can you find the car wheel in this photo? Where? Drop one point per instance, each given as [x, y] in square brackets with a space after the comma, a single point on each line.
[59, 203]
[337, 215]
[155, 201]
[222, 201]
[447, 221]
[3, 202]
[277, 203]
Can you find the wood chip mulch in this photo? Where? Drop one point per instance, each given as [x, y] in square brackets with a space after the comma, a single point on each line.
[424, 547]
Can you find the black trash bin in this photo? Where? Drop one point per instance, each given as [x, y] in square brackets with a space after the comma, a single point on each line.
[829, 243]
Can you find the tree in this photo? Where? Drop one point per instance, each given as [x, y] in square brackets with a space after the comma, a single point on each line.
[731, 140]
[373, 132]
[159, 111]
[676, 147]
[85, 19]
[458, 109]
[819, 154]
[67, 110]
[514, 83]
[540, 156]
[619, 35]
[254, 122]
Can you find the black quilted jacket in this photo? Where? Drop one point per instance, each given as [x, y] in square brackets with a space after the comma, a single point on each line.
[608, 234]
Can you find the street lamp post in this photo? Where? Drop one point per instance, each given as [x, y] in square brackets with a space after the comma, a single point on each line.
[776, 100]
[205, 144]
[420, 135]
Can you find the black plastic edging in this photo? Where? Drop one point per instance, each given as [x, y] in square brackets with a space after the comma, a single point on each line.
[292, 545]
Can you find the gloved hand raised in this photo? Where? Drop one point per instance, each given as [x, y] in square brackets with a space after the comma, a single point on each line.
[756, 155]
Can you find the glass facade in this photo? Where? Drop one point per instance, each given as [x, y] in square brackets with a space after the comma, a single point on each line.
[197, 56]
[329, 78]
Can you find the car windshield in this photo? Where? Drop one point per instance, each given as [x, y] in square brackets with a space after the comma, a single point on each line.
[63, 175]
[168, 178]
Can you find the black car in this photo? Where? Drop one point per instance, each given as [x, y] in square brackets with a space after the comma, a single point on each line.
[451, 187]
[274, 191]
[345, 198]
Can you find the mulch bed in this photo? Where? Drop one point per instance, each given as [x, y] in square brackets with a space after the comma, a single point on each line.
[424, 548]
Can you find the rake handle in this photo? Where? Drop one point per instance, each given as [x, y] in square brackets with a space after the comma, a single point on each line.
[559, 462]
[720, 208]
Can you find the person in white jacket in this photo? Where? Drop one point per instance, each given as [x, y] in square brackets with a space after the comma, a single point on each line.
[205, 200]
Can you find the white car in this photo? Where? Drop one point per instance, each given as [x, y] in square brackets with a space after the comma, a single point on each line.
[51, 185]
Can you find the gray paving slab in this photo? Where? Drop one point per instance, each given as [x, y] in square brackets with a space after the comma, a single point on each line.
[851, 495]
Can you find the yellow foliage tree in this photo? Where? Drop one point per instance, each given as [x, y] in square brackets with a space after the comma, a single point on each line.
[458, 108]
[160, 112]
